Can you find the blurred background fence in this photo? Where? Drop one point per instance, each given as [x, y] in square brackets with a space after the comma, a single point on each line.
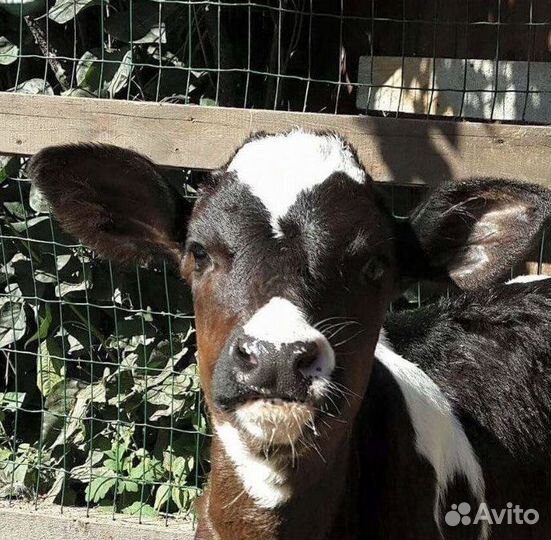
[99, 398]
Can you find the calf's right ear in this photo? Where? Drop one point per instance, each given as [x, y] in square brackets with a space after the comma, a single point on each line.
[113, 200]
[473, 231]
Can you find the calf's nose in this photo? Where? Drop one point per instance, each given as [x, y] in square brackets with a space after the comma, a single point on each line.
[273, 369]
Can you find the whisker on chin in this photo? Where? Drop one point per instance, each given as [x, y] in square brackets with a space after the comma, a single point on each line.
[334, 417]
[313, 446]
[337, 410]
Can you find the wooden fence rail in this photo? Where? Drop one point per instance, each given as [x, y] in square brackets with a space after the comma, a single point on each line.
[393, 150]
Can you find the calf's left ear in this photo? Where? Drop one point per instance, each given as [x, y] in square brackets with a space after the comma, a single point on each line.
[113, 200]
[474, 231]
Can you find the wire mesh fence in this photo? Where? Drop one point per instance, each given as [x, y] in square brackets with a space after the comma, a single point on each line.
[479, 58]
[99, 397]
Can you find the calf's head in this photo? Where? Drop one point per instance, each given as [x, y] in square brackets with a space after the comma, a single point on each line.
[292, 257]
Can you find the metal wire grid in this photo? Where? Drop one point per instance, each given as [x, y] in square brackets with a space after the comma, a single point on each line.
[295, 54]
[493, 59]
[112, 414]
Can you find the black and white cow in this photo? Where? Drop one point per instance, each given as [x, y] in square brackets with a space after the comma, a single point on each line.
[332, 419]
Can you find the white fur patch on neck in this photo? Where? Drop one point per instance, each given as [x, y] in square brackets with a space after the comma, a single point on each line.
[440, 437]
[527, 279]
[277, 168]
[261, 478]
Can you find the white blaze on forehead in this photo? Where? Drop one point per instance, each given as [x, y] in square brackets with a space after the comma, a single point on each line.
[277, 168]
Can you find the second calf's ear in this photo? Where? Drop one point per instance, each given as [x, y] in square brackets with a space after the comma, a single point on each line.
[474, 231]
[113, 200]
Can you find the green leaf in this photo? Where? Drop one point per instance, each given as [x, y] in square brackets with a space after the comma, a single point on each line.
[78, 92]
[162, 496]
[37, 201]
[122, 75]
[13, 322]
[200, 423]
[29, 224]
[95, 393]
[57, 486]
[50, 366]
[83, 473]
[111, 464]
[65, 10]
[149, 470]
[116, 454]
[179, 497]
[8, 51]
[140, 509]
[107, 75]
[208, 102]
[33, 86]
[43, 326]
[20, 470]
[79, 280]
[4, 167]
[22, 8]
[98, 488]
[58, 404]
[128, 486]
[11, 401]
[17, 209]
[74, 432]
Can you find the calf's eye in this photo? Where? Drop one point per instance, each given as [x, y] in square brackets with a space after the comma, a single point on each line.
[200, 256]
[373, 269]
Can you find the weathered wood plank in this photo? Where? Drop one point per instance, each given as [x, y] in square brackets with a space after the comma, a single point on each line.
[22, 522]
[482, 89]
[400, 151]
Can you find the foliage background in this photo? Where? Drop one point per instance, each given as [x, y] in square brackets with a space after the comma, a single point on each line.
[99, 396]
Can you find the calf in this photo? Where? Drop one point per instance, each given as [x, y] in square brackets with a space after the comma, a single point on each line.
[325, 425]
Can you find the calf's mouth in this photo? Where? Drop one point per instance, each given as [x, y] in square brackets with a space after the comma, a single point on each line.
[275, 421]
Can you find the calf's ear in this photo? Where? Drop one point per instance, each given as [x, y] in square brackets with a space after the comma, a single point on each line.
[474, 231]
[113, 200]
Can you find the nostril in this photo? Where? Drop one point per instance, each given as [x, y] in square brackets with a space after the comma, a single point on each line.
[307, 360]
[244, 355]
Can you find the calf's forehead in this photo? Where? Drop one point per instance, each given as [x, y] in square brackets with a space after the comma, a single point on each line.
[278, 168]
[296, 189]
[289, 214]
